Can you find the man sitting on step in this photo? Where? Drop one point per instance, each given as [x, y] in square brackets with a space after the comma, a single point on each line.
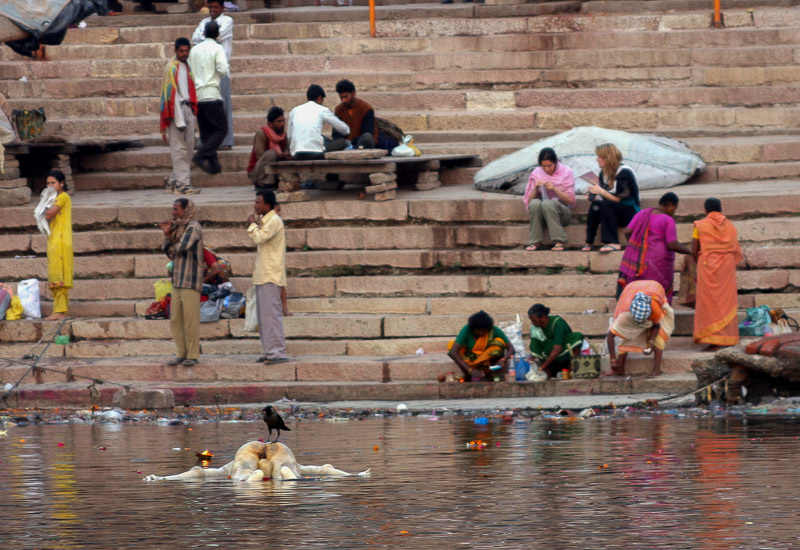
[304, 128]
[270, 144]
[358, 115]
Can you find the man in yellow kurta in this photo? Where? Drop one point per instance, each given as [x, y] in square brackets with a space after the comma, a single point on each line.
[59, 245]
[265, 227]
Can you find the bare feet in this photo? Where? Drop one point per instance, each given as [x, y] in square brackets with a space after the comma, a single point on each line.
[656, 372]
[55, 317]
[532, 248]
[287, 313]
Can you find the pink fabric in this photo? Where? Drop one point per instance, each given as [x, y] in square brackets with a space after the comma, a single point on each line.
[659, 260]
[562, 178]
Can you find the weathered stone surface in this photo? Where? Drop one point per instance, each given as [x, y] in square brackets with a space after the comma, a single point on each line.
[144, 399]
[15, 196]
[344, 370]
[357, 154]
[139, 329]
[513, 259]
[378, 306]
[553, 285]
[289, 187]
[412, 286]
[292, 196]
[427, 186]
[310, 287]
[515, 304]
[333, 326]
[376, 179]
[397, 346]
[386, 195]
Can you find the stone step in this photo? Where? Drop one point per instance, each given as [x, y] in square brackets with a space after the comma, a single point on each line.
[207, 394]
[664, 118]
[455, 100]
[113, 181]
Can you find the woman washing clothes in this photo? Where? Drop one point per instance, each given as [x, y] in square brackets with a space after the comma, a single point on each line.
[553, 342]
[614, 199]
[549, 198]
[480, 346]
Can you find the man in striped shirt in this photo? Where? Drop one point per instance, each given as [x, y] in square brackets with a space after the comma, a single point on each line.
[183, 244]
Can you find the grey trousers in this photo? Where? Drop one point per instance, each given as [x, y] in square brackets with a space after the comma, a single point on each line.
[262, 173]
[181, 148]
[552, 215]
[270, 320]
[225, 91]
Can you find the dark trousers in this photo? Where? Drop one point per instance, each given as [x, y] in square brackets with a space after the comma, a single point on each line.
[367, 141]
[338, 144]
[213, 123]
[609, 216]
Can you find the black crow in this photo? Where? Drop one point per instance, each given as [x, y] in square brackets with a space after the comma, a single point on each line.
[274, 422]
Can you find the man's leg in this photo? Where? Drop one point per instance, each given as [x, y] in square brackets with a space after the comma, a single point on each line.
[225, 90]
[339, 144]
[270, 321]
[262, 175]
[308, 155]
[176, 322]
[180, 160]
[367, 141]
[217, 126]
[191, 322]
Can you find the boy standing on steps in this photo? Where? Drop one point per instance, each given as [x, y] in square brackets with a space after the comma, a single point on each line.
[178, 108]
[225, 39]
[269, 275]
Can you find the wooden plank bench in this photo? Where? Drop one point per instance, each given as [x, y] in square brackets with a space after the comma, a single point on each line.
[384, 173]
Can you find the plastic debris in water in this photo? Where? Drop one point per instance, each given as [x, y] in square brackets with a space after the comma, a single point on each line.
[477, 444]
[420, 351]
[402, 408]
[8, 386]
[481, 420]
[60, 444]
[375, 448]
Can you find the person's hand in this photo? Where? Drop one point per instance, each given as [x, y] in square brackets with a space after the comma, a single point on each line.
[251, 219]
[549, 185]
[286, 155]
[165, 227]
[595, 189]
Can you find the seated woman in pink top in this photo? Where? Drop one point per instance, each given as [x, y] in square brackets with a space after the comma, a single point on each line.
[549, 198]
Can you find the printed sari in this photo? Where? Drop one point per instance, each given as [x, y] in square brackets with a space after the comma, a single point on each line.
[634, 335]
[716, 305]
[647, 256]
[483, 352]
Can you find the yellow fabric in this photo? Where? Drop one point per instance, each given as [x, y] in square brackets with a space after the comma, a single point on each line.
[162, 288]
[59, 245]
[695, 235]
[270, 238]
[60, 299]
[482, 352]
[14, 311]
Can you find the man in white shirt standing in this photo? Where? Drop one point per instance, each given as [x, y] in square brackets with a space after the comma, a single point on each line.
[209, 64]
[178, 107]
[225, 39]
[304, 128]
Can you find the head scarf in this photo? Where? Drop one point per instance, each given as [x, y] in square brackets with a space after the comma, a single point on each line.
[179, 224]
[641, 308]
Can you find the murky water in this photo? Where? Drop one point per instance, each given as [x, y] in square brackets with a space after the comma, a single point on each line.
[628, 483]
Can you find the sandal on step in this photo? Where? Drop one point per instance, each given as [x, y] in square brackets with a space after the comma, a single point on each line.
[586, 248]
[558, 247]
[532, 247]
[605, 249]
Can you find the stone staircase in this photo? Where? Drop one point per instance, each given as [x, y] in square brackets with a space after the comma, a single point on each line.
[371, 283]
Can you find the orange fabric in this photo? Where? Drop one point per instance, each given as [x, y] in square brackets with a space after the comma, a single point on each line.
[658, 312]
[651, 288]
[481, 353]
[715, 319]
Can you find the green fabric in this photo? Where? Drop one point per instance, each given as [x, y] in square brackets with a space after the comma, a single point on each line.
[629, 201]
[466, 338]
[556, 333]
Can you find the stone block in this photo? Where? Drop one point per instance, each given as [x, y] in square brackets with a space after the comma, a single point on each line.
[323, 261]
[10, 173]
[377, 179]
[92, 35]
[427, 186]
[513, 259]
[29, 330]
[333, 326]
[515, 304]
[340, 371]
[357, 154]
[774, 279]
[139, 329]
[427, 177]
[292, 196]
[288, 186]
[120, 348]
[490, 100]
[305, 287]
[385, 196]
[144, 399]
[15, 196]
[683, 21]
[733, 19]
[766, 17]
[378, 306]
[15, 243]
[427, 368]
[778, 151]
[376, 238]
[380, 188]
[553, 285]
[403, 326]
[783, 300]
[497, 210]
[398, 346]
[439, 285]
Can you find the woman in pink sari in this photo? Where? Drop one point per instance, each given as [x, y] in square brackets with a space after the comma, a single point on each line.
[651, 247]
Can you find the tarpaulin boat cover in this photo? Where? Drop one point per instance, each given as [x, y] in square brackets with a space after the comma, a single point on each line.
[658, 161]
[47, 21]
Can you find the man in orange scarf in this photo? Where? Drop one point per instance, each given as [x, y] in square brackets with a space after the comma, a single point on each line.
[270, 145]
[358, 115]
[716, 248]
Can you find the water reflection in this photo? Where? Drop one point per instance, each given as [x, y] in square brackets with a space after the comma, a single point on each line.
[632, 482]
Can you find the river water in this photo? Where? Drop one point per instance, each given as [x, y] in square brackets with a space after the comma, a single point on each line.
[621, 482]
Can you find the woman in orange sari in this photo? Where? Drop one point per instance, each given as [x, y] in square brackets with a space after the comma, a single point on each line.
[716, 249]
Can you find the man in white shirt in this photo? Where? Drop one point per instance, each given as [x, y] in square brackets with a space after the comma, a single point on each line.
[209, 64]
[178, 107]
[304, 128]
[225, 39]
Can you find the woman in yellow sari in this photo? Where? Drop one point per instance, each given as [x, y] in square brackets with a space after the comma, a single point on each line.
[59, 245]
[715, 246]
[479, 348]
